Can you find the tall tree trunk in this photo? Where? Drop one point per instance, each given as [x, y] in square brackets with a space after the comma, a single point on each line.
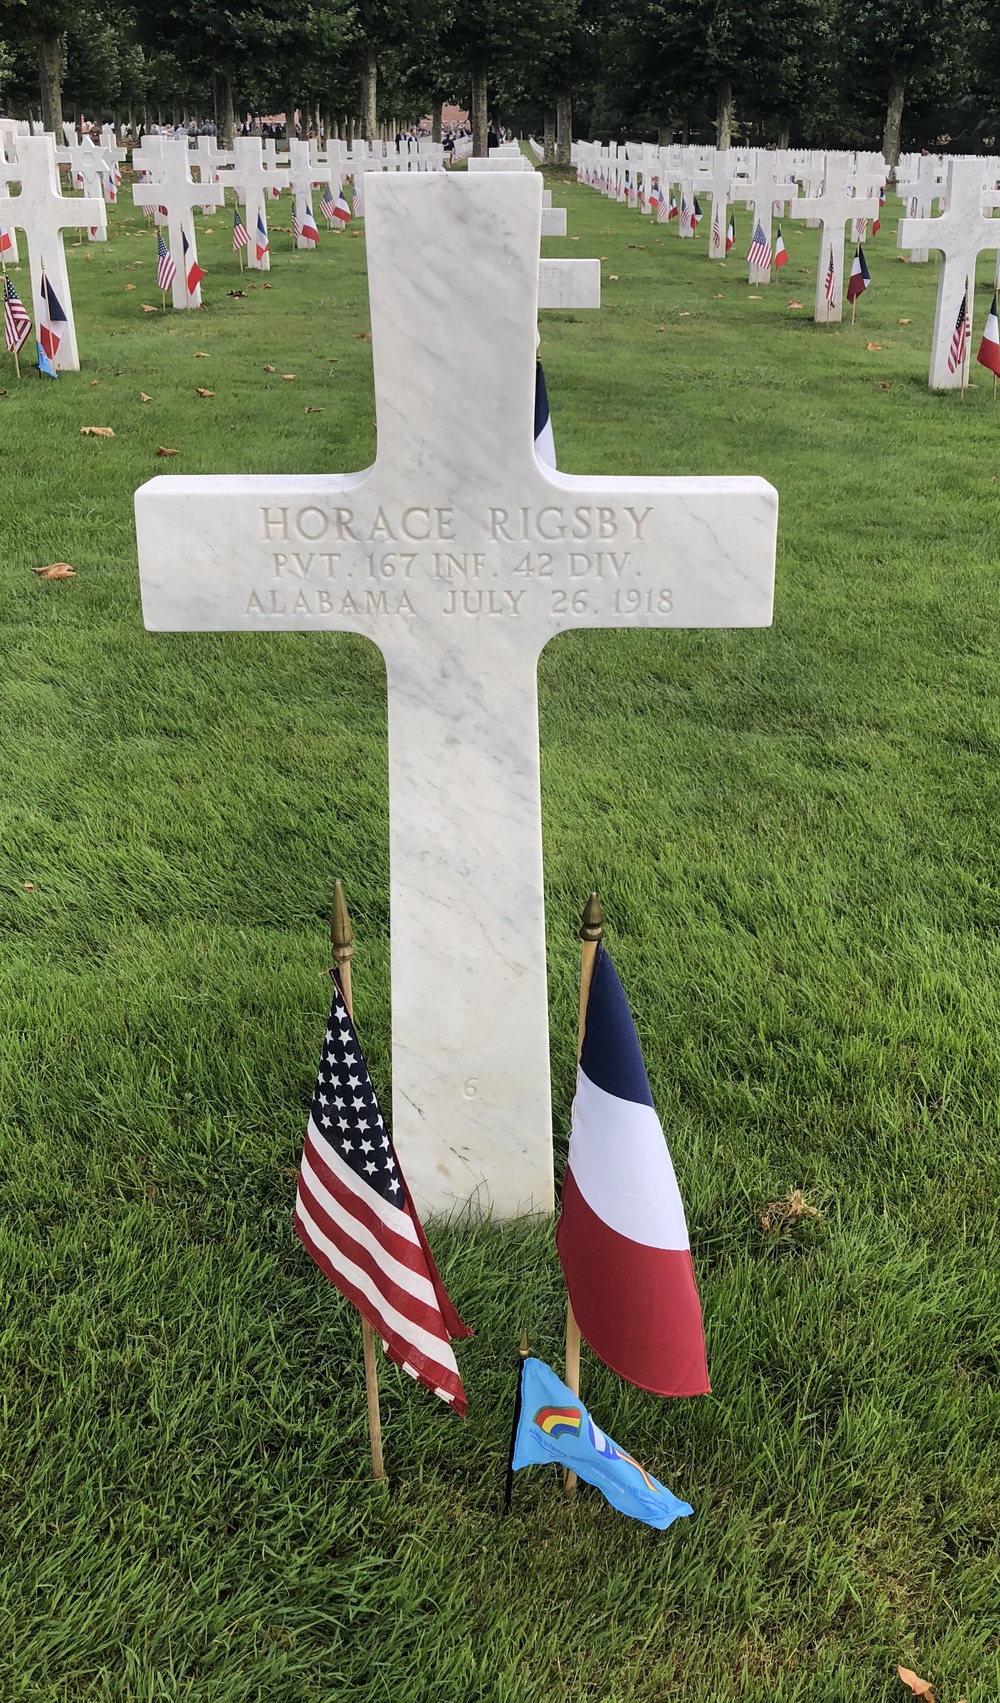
[665, 136]
[225, 117]
[549, 140]
[50, 83]
[894, 120]
[724, 113]
[289, 118]
[369, 96]
[564, 127]
[350, 130]
[784, 133]
[436, 111]
[480, 120]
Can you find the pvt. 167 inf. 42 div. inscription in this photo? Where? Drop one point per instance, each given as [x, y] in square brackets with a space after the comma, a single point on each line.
[575, 558]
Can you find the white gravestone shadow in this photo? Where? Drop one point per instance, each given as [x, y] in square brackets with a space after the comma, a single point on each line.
[459, 555]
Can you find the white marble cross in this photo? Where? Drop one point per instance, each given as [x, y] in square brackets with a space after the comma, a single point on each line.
[8, 175]
[834, 207]
[757, 191]
[174, 188]
[459, 555]
[209, 158]
[961, 233]
[43, 212]
[88, 170]
[715, 184]
[919, 193]
[303, 173]
[253, 176]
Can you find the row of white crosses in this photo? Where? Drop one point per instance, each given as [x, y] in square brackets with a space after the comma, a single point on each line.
[459, 554]
[43, 212]
[841, 188]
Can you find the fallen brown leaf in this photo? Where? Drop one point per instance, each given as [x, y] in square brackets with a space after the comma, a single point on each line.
[904, 322]
[93, 382]
[755, 298]
[308, 410]
[268, 369]
[288, 377]
[793, 304]
[29, 886]
[335, 359]
[778, 1214]
[873, 348]
[96, 432]
[919, 1687]
[612, 277]
[263, 286]
[56, 570]
[200, 355]
[130, 286]
[143, 397]
[240, 293]
[885, 384]
[718, 298]
[661, 328]
[362, 336]
[200, 392]
[147, 309]
[162, 451]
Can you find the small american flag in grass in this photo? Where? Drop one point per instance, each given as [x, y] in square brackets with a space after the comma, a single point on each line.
[166, 271]
[326, 204]
[759, 252]
[960, 336]
[16, 320]
[830, 287]
[354, 1216]
[241, 236]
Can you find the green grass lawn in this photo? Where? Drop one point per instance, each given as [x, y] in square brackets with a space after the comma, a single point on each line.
[794, 834]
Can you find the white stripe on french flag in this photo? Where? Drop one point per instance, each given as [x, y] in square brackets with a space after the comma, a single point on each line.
[622, 1236]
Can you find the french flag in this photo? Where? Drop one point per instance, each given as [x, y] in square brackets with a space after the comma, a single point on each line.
[52, 321]
[545, 443]
[193, 273]
[622, 1237]
[261, 246]
[989, 348]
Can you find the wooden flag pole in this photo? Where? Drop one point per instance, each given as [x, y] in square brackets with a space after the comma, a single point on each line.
[591, 931]
[342, 941]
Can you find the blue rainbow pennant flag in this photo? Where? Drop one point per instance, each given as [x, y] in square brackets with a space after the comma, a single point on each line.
[554, 1425]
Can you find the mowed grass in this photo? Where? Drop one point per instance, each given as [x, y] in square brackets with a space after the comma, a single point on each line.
[794, 835]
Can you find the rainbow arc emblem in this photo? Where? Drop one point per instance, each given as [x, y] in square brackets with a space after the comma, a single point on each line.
[559, 1421]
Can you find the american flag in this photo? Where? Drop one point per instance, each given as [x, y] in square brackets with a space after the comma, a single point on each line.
[759, 252]
[166, 271]
[663, 207]
[830, 287]
[960, 336]
[687, 217]
[326, 204]
[241, 236]
[354, 1216]
[16, 320]
[295, 227]
[356, 200]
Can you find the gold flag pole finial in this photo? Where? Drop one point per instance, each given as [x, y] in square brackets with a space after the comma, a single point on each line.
[342, 942]
[592, 921]
[523, 1349]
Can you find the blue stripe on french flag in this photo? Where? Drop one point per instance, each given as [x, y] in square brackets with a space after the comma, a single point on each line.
[622, 1236]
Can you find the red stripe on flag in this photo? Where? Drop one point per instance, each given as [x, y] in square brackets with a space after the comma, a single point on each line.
[637, 1306]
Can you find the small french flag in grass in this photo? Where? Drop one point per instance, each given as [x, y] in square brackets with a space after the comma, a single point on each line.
[860, 277]
[780, 251]
[989, 348]
[622, 1237]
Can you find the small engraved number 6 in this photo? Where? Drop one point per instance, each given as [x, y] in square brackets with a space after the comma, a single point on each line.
[471, 1089]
